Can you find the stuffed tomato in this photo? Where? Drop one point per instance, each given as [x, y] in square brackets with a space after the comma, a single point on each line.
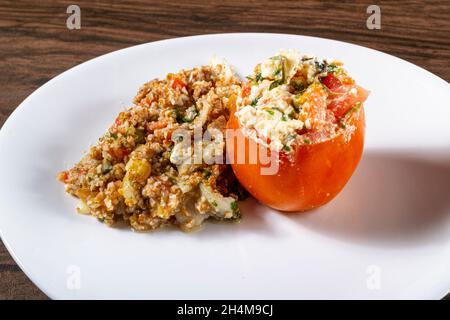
[306, 114]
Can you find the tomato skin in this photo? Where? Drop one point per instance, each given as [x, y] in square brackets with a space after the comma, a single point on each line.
[314, 176]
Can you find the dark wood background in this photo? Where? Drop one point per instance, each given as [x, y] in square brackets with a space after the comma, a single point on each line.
[36, 45]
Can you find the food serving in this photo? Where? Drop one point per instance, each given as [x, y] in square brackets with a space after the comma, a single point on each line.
[308, 112]
[305, 110]
[141, 171]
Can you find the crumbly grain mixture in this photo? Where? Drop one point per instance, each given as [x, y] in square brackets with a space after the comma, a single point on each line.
[141, 171]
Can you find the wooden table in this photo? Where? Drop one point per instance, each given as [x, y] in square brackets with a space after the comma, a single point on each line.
[36, 45]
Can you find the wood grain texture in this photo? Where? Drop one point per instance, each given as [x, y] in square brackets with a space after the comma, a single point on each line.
[36, 45]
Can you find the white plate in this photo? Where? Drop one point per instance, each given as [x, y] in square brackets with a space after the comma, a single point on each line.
[387, 235]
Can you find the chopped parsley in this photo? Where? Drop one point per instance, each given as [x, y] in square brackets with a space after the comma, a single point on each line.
[206, 173]
[254, 102]
[275, 84]
[185, 119]
[307, 141]
[355, 108]
[257, 78]
[287, 148]
[332, 67]
[271, 112]
[234, 207]
[278, 72]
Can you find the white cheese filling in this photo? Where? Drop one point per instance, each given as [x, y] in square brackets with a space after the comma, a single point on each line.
[269, 108]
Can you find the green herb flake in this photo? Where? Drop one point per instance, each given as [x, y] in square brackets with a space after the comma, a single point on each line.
[206, 173]
[283, 118]
[287, 148]
[307, 141]
[332, 67]
[254, 102]
[185, 119]
[355, 108]
[257, 79]
[275, 84]
[271, 112]
[234, 207]
[277, 72]
[214, 203]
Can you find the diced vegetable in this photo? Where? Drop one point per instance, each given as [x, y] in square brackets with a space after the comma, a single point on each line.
[226, 207]
[138, 170]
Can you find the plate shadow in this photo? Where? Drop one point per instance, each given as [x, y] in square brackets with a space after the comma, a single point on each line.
[392, 199]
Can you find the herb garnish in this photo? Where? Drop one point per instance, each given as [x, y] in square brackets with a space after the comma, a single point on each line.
[355, 108]
[234, 207]
[257, 79]
[332, 67]
[185, 119]
[275, 84]
[206, 173]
